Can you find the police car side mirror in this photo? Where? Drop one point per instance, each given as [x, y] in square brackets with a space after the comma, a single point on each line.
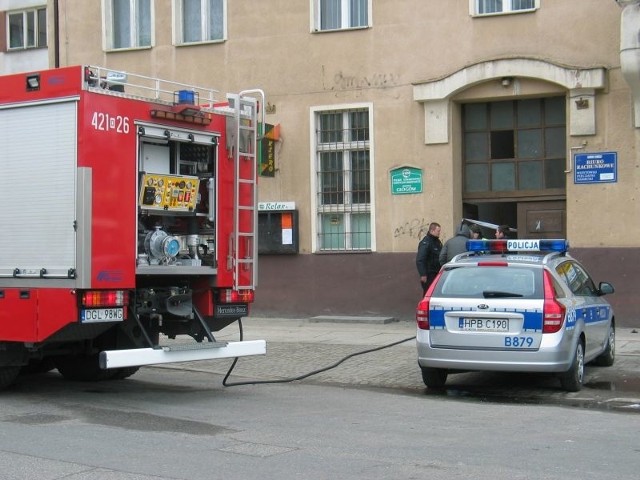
[605, 288]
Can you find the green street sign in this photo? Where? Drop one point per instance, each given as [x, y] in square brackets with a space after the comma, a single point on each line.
[406, 180]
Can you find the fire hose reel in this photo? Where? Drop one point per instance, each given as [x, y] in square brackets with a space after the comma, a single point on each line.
[161, 247]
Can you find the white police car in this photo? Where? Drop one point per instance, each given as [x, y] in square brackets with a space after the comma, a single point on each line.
[517, 306]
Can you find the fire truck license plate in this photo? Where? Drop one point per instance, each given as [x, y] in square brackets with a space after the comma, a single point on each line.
[103, 315]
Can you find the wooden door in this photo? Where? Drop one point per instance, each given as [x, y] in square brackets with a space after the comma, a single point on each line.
[542, 219]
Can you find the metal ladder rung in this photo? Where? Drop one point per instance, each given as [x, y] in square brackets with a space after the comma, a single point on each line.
[246, 170]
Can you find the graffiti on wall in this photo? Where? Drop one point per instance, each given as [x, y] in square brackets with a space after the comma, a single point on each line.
[415, 228]
[342, 81]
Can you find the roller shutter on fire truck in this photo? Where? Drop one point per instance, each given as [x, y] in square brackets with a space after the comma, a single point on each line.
[39, 188]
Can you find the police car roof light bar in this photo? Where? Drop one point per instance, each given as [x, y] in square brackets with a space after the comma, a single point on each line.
[560, 245]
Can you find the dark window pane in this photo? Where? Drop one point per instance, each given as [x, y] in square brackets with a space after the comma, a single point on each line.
[502, 144]
[530, 175]
[554, 176]
[31, 29]
[359, 126]
[555, 142]
[358, 11]
[42, 27]
[330, 17]
[501, 115]
[554, 111]
[191, 16]
[529, 113]
[332, 227]
[503, 176]
[360, 177]
[489, 6]
[330, 127]
[361, 230]
[331, 178]
[144, 23]
[121, 24]
[16, 37]
[476, 178]
[530, 143]
[216, 20]
[475, 147]
[522, 4]
[475, 116]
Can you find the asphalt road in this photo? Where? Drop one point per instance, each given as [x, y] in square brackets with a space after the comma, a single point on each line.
[369, 416]
[184, 425]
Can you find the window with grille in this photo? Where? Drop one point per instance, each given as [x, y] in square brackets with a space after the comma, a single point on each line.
[513, 146]
[27, 29]
[341, 14]
[128, 23]
[343, 179]
[492, 7]
[199, 21]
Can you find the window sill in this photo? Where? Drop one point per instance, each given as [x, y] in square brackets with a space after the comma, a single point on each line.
[499, 14]
[24, 49]
[195, 44]
[128, 49]
[333, 30]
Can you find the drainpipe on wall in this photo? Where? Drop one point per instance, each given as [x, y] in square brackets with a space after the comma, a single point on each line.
[56, 34]
[630, 51]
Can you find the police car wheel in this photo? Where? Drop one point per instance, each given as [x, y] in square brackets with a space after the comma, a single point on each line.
[572, 379]
[434, 377]
[608, 356]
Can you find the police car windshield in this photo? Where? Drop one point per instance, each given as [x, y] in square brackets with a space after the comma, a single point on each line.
[513, 281]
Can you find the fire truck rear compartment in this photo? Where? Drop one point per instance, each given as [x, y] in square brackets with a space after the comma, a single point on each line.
[144, 194]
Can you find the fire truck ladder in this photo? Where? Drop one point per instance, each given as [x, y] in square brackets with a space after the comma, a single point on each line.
[244, 251]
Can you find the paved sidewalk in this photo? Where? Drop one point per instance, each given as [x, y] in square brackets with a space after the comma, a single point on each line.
[298, 347]
[369, 333]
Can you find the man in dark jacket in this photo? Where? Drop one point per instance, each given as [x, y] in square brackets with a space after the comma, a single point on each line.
[428, 257]
[455, 245]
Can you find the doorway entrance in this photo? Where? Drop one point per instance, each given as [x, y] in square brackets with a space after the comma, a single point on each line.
[514, 154]
[527, 219]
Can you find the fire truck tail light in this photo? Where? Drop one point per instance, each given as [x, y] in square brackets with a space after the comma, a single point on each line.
[235, 296]
[105, 298]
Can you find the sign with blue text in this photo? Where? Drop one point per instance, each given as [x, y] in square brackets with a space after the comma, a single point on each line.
[406, 180]
[599, 167]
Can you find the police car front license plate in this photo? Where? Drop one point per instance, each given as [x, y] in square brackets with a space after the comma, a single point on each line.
[102, 315]
[483, 324]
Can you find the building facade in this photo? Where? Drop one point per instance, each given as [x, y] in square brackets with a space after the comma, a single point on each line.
[23, 35]
[395, 114]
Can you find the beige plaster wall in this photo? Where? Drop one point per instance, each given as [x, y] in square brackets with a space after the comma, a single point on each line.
[270, 46]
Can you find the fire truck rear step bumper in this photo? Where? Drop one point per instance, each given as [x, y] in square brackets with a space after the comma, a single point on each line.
[137, 357]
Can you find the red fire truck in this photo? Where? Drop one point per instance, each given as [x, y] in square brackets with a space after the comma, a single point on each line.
[128, 213]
